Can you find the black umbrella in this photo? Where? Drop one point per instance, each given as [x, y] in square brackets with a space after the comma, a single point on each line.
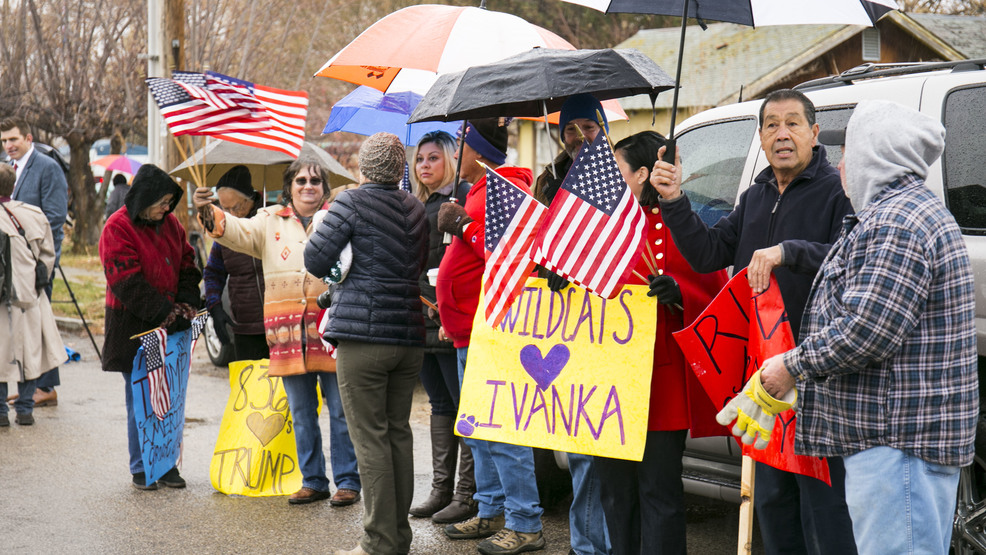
[755, 13]
[538, 82]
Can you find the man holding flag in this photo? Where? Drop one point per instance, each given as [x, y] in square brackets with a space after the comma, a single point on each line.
[783, 225]
[509, 508]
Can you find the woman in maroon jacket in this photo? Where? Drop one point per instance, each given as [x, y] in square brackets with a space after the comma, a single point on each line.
[151, 281]
[243, 273]
[644, 502]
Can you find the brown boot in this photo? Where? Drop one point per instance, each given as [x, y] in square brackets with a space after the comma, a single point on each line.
[463, 506]
[443, 454]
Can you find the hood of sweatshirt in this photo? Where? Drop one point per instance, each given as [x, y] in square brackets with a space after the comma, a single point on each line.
[885, 141]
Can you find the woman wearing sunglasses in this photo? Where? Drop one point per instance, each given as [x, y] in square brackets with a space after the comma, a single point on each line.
[277, 236]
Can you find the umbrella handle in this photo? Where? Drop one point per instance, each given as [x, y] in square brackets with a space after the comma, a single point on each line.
[671, 146]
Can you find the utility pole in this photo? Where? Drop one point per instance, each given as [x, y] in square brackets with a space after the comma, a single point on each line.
[157, 134]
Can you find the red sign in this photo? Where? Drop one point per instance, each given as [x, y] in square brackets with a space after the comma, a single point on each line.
[726, 345]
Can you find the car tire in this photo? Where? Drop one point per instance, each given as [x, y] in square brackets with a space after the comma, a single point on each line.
[969, 524]
[221, 354]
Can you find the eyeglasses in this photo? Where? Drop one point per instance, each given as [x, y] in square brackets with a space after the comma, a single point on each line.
[164, 203]
[302, 181]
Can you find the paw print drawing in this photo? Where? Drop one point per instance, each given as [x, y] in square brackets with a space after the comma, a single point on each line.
[466, 425]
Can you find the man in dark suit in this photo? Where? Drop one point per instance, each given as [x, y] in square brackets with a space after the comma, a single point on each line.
[41, 182]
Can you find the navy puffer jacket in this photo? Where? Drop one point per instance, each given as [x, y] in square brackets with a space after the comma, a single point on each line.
[379, 301]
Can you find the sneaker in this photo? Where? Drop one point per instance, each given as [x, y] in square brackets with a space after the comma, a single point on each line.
[4, 420]
[509, 542]
[172, 479]
[140, 482]
[475, 528]
[24, 418]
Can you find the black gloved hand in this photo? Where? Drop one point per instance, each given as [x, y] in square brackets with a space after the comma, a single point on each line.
[555, 281]
[180, 324]
[666, 289]
[452, 219]
[325, 299]
[219, 321]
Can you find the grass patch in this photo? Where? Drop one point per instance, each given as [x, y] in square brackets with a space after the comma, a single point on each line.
[85, 275]
[90, 293]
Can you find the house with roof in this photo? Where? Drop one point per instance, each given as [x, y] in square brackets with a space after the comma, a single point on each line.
[727, 63]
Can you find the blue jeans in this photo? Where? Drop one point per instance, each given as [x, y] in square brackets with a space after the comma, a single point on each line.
[505, 480]
[900, 503]
[303, 402]
[800, 514]
[49, 380]
[25, 400]
[440, 378]
[133, 440]
[586, 520]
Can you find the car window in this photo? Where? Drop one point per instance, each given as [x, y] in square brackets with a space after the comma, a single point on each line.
[712, 158]
[833, 118]
[964, 170]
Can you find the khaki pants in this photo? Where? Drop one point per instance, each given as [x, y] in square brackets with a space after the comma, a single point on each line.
[376, 383]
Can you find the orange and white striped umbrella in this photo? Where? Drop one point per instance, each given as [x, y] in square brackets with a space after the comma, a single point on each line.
[406, 50]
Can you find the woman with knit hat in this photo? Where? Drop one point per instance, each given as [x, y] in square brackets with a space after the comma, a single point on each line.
[243, 273]
[277, 236]
[151, 281]
[376, 323]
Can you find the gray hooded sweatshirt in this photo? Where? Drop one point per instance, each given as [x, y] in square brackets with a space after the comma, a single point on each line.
[884, 141]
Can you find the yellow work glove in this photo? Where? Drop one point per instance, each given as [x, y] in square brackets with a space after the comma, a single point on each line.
[754, 411]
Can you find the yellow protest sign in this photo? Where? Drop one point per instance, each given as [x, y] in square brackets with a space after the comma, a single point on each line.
[255, 453]
[566, 370]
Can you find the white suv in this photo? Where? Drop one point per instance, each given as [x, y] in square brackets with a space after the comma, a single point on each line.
[722, 143]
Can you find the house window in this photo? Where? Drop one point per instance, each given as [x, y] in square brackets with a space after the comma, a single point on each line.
[871, 45]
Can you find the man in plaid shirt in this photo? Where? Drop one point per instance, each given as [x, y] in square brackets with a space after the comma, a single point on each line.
[889, 339]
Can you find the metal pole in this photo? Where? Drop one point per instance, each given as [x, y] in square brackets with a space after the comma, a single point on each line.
[671, 146]
[78, 309]
[156, 135]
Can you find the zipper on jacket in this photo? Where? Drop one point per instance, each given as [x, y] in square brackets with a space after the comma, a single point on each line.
[773, 213]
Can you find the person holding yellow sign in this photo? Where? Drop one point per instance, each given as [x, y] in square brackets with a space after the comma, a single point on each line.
[644, 502]
[277, 236]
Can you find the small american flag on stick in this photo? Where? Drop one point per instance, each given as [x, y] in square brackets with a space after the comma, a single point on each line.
[155, 346]
[513, 217]
[594, 226]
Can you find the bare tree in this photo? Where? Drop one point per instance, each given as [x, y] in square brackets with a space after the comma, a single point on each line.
[72, 69]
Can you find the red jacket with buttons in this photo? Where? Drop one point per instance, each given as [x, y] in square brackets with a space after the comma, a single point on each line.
[678, 401]
[460, 275]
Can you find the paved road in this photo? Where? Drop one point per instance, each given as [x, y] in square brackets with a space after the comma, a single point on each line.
[65, 486]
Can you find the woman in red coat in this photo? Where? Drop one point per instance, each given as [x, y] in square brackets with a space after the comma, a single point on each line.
[151, 281]
[644, 502]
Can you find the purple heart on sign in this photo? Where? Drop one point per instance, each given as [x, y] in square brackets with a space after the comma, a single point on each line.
[544, 369]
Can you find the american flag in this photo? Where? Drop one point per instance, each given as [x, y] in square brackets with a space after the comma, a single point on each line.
[194, 104]
[198, 323]
[405, 183]
[155, 346]
[594, 225]
[513, 217]
[287, 111]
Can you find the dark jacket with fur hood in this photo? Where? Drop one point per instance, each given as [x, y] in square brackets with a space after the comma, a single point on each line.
[149, 267]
